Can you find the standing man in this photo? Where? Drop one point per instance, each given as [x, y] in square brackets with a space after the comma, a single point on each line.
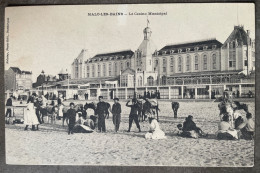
[87, 96]
[238, 93]
[9, 102]
[133, 114]
[101, 111]
[116, 111]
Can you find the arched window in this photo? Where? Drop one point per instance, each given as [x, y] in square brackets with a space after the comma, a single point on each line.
[150, 81]
[127, 64]
[171, 64]
[115, 68]
[121, 66]
[205, 62]
[104, 70]
[188, 63]
[140, 81]
[214, 61]
[110, 69]
[164, 80]
[179, 64]
[164, 65]
[98, 70]
[93, 70]
[87, 71]
[196, 62]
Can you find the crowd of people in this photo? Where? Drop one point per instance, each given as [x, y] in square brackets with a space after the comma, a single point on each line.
[242, 128]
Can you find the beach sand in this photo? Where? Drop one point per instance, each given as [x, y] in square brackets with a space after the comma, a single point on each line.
[53, 146]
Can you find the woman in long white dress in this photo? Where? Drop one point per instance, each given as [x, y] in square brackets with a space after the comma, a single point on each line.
[30, 117]
[155, 131]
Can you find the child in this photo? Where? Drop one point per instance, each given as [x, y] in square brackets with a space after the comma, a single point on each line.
[71, 117]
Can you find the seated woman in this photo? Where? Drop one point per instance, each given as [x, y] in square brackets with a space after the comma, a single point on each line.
[84, 125]
[189, 129]
[225, 130]
[247, 128]
[155, 131]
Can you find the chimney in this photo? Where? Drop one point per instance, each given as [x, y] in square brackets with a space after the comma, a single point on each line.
[248, 33]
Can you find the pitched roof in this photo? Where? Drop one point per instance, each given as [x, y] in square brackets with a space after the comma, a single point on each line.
[191, 45]
[238, 34]
[27, 72]
[113, 55]
[16, 70]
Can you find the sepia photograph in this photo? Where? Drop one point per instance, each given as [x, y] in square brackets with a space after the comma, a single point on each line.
[130, 85]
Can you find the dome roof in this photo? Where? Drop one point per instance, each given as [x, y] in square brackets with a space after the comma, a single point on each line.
[147, 29]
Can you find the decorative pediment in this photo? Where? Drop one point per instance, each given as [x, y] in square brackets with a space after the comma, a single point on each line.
[128, 71]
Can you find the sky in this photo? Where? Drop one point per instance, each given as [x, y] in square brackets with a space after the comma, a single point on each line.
[49, 38]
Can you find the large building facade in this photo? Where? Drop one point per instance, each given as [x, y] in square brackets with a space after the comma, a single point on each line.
[16, 79]
[191, 65]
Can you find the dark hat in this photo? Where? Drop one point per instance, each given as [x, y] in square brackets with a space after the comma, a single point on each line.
[190, 116]
[100, 97]
[116, 99]
[34, 94]
[72, 104]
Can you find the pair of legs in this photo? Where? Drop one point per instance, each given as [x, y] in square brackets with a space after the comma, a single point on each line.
[131, 119]
[116, 121]
[71, 126]
[8, 112]
[101, 123]
[33, 127]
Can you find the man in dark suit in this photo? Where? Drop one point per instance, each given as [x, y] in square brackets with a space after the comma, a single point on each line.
[101, 111]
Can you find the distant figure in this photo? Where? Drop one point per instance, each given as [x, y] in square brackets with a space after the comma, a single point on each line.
[9, 102]
[238, 93]
[159, 95]
[250, 94]
[148, 95]
[71, 113]
[74, 96]
[175, 107]
[116, 111]
[155, 131]
[144, 94]
[152, 95]
[87, 96]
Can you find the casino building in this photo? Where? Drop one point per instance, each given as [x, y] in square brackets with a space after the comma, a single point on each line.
[199, 68]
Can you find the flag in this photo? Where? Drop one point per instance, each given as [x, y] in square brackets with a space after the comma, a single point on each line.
[148, 22]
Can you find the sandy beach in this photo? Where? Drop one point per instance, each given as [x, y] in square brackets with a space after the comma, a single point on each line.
[53, 146]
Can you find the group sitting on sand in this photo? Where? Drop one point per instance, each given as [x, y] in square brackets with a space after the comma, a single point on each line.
[244, 129]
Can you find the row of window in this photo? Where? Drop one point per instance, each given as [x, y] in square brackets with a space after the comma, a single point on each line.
[115, 68]
[188, 63]
[187, 50]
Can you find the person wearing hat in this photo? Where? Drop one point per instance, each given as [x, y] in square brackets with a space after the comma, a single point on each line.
[101, 111]
[116, 111]
[133, 114]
